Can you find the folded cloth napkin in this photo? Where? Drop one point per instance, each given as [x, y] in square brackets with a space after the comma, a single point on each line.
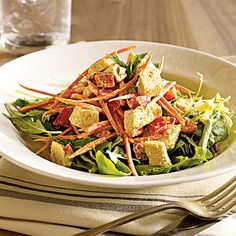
[38, 205]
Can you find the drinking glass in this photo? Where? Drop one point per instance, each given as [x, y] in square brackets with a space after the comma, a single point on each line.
[31, 25]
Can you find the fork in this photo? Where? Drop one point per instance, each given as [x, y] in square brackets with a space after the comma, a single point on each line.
[212, 206]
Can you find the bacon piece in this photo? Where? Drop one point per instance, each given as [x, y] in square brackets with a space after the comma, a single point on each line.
[157, 126]
[138, 100]
[188, 127]
[105, 80]
[68, 149]
[63, 117]
[171, 94]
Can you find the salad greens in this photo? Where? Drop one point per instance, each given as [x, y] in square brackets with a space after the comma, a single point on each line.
[128, 120]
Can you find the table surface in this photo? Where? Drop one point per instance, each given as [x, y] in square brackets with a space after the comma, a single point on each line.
[206, 25]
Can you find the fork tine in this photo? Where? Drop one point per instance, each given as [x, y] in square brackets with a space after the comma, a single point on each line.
[221, 196]
[220, 189]
[229, 200]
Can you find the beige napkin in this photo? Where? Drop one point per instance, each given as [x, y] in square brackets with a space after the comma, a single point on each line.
[51, 205]
[37, 205]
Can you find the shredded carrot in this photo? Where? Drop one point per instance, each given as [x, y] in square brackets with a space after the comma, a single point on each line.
[124, 97]
[37, 91]
[119, 51]
[167, 106]
[36, 105]
[44, 147]
[109, 95]
[74, 129]
[119, 122]
[92, 145]
[144, 66]
[120, 113]
[80, 97]
[129, 155]
[96, 126]
[109, 116]
[95, 131]
[168, 86]
[183, 89]
[78, 103]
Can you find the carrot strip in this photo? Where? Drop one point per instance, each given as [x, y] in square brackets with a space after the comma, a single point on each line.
[120, 113]
[119, 51]
[37, 91]
[143, 67]
[124, 97]
[44, 147]
[110, 95]
[36, 105]
[78, 103]
[167, 106]
[119, 122]
[65, 131]
[75, 129]
[96, 126]
[92, 145]
[81, 97]
[129, 155]
[109, 116]
[99, 129]
[168, 86]
[183, 89]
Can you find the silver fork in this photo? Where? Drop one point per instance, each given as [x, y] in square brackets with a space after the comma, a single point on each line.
[212, 206]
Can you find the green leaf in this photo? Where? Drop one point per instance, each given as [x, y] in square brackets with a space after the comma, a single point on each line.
[119, 164]
[75, 143]
[106, 166]
[84, 162]
[117, 60]
[134, 63]
[117, 141]
[104, 146]
[201, 156]
[28, 125]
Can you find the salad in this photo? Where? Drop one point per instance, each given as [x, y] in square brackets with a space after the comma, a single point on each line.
[122, 118]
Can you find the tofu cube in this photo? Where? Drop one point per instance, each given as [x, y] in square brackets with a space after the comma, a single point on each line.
[157, 153]
[98, 66]
[150, 81]
[82, 118]
[171, 136]
[118, 72]
[58, 155]
[140, 116]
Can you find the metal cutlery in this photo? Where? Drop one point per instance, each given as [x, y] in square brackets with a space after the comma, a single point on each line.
[211, 207]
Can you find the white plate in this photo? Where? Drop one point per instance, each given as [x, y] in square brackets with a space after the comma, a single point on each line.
[42, 70]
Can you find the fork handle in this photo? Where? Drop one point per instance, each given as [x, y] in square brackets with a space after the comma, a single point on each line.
[126, 219]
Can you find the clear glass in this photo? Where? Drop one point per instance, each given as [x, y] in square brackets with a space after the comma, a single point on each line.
[31, 25]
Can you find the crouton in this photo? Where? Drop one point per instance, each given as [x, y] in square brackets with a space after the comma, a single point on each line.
[83, 118]
[157, 153]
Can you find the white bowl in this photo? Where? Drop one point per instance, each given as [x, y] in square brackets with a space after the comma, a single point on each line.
[47, 69]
